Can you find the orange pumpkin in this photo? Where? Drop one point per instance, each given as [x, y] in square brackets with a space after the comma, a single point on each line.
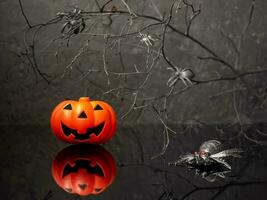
[84, 169]
[83, 121]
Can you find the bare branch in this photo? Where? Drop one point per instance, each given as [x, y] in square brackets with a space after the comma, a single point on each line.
[24, 15]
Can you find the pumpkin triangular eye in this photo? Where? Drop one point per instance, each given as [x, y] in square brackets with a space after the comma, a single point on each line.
[68, 107]
[98, 107]
[82, 186]
[82, 115]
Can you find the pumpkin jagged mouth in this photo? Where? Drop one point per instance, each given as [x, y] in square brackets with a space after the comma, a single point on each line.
[95, 130]
[82, 164]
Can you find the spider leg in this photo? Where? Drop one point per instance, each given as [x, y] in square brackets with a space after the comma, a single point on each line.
[79, 12]
[70, 31]
[189, 81]
[229, 152]
[182, 160]
[64, 27]
[204, 174]
[171, 82]
[184, 81]
[172, 78]
[149, 42]
[223, 162]
[222, 174]
[82, 26]
[147, 46]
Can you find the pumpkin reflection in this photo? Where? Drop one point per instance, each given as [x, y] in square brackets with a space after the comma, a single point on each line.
[84, 169]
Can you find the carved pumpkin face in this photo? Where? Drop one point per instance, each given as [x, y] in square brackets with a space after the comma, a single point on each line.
[84, 169]
[83, 121]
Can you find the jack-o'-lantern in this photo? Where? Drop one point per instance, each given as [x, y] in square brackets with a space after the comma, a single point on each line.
[83, 121]
[84, 169]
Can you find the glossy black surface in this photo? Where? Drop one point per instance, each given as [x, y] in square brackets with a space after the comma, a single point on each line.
[27, 153]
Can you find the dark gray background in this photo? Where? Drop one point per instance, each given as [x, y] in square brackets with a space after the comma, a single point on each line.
[28, 145]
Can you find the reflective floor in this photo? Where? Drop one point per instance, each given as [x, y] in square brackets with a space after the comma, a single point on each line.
[35, 165]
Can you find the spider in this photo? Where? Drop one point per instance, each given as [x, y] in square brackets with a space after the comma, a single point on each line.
[147, 39]
[210, 153]
[185, 75]
[75, 21]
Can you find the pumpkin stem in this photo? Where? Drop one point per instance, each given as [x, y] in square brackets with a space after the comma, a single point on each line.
[84, 99]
